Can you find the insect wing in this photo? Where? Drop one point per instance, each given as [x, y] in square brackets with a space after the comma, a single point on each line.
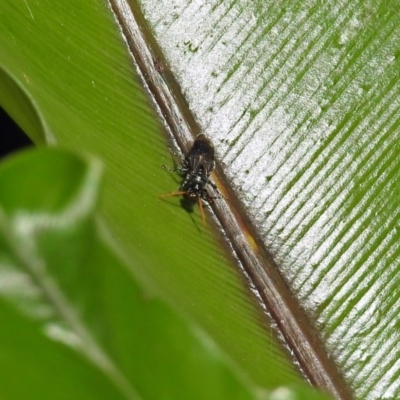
[201, 156]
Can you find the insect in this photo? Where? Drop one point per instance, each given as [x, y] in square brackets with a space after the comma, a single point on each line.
[195, 170]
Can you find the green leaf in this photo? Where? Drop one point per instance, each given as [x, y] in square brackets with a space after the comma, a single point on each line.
[300, 100]
[16, 101]
[80, 77]
[75, 323]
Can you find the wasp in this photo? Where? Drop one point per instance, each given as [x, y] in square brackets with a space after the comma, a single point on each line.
[195, 170]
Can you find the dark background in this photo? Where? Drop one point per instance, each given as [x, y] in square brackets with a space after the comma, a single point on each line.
[12, 137]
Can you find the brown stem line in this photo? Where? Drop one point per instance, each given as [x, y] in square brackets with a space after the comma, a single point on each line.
[291, 321]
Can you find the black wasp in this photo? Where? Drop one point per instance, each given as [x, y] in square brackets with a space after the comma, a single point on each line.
[195, 170]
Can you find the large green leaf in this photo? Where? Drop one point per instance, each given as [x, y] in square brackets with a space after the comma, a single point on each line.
[74, 63]
[300, 100]
[75, 324]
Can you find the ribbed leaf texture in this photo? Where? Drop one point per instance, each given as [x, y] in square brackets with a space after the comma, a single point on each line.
[301, 100]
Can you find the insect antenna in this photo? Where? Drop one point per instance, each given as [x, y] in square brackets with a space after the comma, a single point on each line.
[177, 193]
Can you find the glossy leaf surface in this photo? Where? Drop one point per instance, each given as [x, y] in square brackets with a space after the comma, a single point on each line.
[84, 88]
[300, 100]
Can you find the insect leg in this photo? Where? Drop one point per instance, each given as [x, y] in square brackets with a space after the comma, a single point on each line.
[169, 169]
[177, 166]
[202, 211]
